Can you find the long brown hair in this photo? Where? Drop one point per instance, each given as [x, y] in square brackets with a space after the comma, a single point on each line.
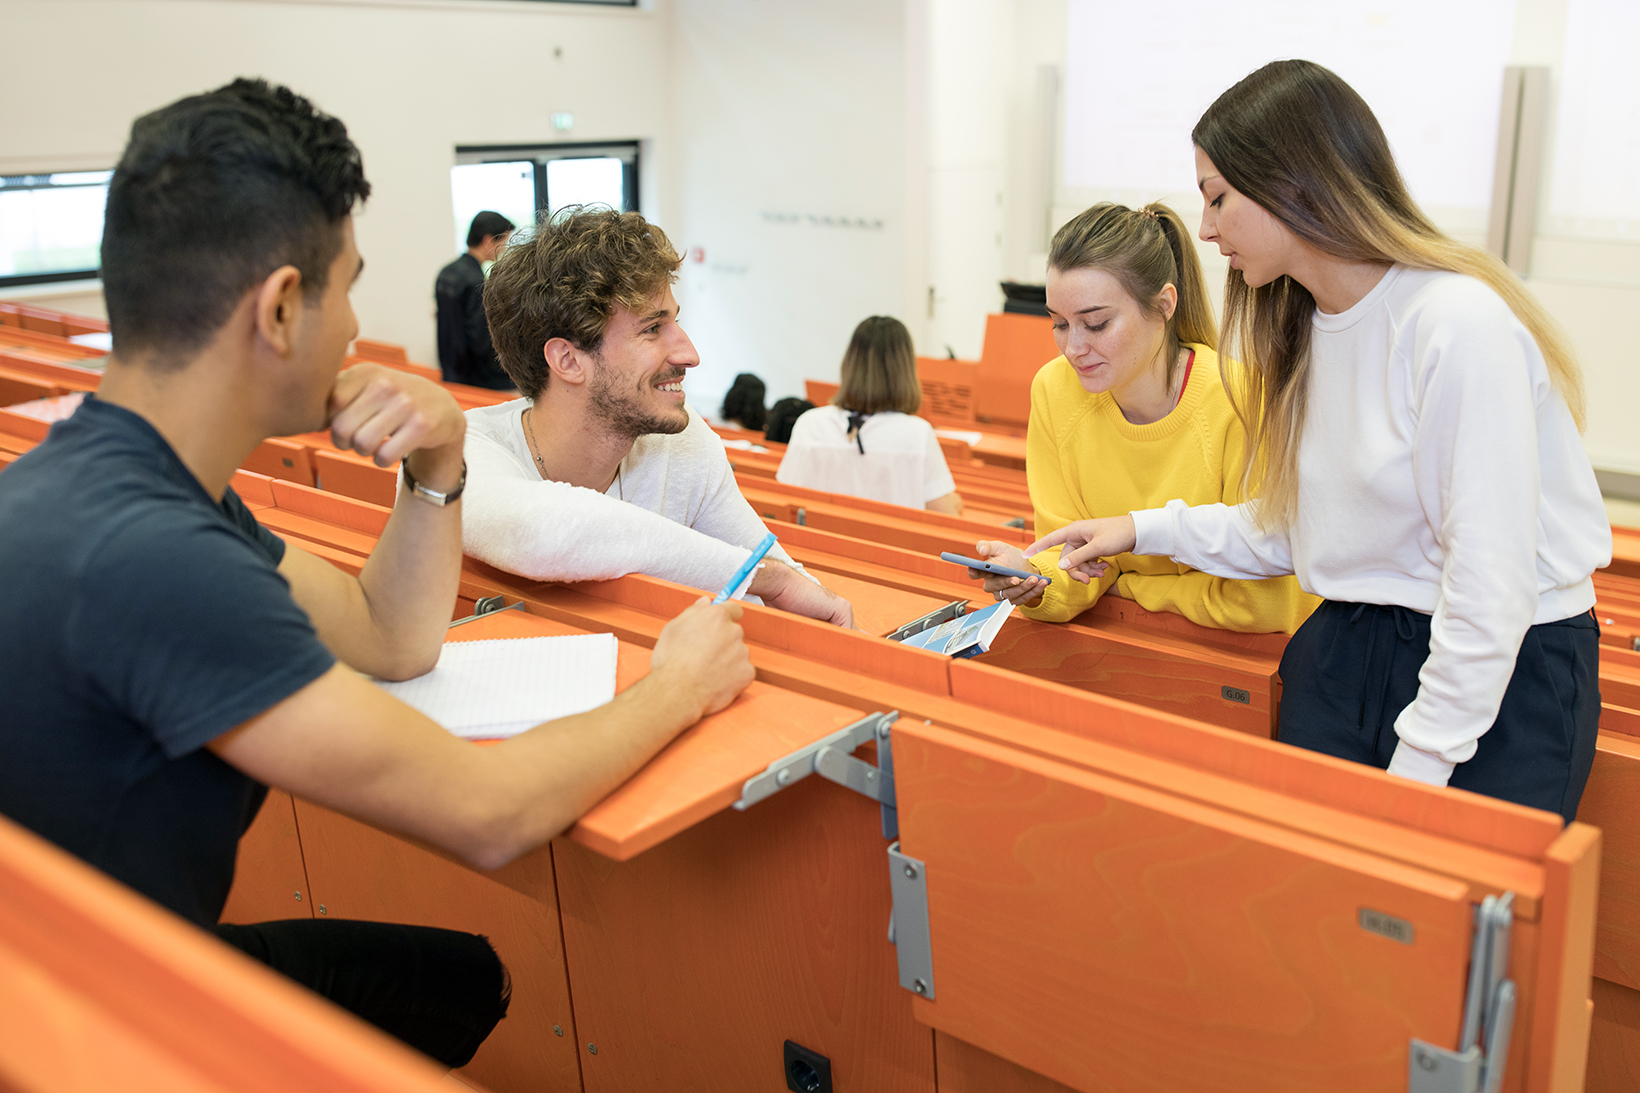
[879, 369]
[1145, 250]
[1298, 141]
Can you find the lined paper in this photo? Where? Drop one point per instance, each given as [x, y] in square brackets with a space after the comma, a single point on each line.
[499, 687]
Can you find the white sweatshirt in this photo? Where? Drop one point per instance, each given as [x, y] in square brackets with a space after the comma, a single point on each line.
[1440, 471]
[902, 465]
[672, 512]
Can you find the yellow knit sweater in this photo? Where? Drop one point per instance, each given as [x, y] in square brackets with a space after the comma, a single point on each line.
[1085, 460]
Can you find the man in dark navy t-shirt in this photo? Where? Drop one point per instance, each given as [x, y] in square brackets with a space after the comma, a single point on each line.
[164, 657]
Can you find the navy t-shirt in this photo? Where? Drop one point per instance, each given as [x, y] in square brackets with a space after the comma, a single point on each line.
[140, 620]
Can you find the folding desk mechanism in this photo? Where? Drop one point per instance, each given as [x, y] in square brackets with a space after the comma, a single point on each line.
[1488, 1015]
[831, 758]
[908, 924]
[489, 605]
[956, 609]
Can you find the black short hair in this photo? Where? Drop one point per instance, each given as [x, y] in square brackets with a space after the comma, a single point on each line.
[212, 194]
[486, 224]
[782, 416]
[743, 402]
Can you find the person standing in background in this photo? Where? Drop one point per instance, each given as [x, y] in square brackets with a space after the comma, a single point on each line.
[465, 354]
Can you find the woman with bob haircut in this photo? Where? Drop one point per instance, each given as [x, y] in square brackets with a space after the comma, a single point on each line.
[868, 443]
[1133, 414]
[1414, 414]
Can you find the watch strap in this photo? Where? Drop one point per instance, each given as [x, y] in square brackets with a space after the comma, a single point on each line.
[433, 497]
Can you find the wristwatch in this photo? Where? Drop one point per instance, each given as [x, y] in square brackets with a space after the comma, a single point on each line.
[433, 497]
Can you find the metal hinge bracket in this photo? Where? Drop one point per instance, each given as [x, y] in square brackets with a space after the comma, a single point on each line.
[489, 605]
[830, 758]
[956, 609]
[908, 925]
[1488, 1015]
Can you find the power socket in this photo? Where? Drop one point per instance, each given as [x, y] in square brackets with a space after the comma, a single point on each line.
[807, 1071]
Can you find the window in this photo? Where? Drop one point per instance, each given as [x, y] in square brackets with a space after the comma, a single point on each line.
[518, 180]
[51, 226]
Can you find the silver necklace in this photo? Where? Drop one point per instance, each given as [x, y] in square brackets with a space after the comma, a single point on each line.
[529, 438]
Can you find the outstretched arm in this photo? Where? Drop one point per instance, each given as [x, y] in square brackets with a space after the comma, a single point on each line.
[344, 743]
[389, 621]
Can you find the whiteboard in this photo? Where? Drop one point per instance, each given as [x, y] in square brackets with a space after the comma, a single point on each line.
[1594, 180]
[1139, 76]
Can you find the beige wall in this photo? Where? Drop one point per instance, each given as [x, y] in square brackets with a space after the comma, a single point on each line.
[789, 120]
[411, 78]
[760, 120]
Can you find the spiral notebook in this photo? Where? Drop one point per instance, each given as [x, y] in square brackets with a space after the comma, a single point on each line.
[495, 688]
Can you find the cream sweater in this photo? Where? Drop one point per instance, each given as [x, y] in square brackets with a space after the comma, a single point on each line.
[673, 511]
[1438, 470]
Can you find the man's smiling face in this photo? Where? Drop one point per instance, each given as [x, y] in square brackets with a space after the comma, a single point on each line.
[636, 385]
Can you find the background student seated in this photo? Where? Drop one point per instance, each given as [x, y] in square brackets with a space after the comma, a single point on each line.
[782, 416]
[867, 443]
[743, 403]
[164, 658]
[1133, 415]
[465, 354]
[601, 469]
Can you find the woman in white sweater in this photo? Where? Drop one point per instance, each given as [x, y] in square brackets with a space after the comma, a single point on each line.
[869, 442]
[1413, 415]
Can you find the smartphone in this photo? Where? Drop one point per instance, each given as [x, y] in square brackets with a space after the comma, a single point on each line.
[988, 567]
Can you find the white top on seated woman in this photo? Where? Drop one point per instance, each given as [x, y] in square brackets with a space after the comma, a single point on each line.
[868, 443]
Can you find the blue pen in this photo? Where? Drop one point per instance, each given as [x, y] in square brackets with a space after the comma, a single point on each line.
[743, 575]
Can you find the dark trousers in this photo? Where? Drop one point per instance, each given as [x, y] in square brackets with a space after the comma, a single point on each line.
[439, 991]
[1352, 668]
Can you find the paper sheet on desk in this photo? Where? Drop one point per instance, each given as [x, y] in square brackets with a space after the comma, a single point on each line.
[489, 689]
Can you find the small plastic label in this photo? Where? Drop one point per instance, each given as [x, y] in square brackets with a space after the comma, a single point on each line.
[1396, 929]
[1236, 694]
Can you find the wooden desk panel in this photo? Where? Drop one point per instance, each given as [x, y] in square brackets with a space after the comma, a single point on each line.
[694, 961]
[965, 1068]
[1163, 673]
[1614, 1040]
[1112, 938]
[1611, 802]
[358, 872]
[101, 990]
[879, 609]
[270, 880]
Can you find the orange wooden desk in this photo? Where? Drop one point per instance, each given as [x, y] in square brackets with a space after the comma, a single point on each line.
[1609, 801]
[703, 931]
[697, 938]
[999, 1014]
[101, 990]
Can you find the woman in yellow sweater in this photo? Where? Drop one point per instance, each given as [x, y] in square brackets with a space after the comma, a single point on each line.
[1131, 416]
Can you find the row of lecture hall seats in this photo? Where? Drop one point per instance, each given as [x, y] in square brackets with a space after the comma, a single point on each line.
[1128, 885]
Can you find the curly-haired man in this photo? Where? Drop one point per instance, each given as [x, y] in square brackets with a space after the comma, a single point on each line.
[602, 469]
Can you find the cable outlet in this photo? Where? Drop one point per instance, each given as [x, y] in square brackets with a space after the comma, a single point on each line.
[807, 1071]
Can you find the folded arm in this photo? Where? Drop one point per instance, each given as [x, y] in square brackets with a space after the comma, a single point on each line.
[552, 531]
[389, 621]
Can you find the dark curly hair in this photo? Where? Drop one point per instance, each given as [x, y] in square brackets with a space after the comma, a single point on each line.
[743, 402]
[782, 416]
[565, 281]
[212, 194]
